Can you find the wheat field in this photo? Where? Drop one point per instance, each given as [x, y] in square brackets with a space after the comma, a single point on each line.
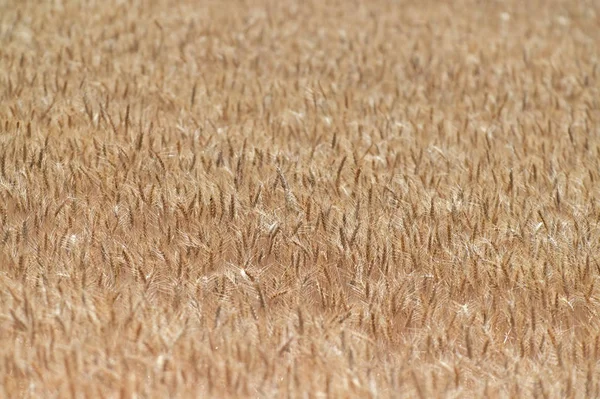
[299, 199]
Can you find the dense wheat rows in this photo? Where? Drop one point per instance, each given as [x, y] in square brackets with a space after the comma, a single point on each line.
[295, 199]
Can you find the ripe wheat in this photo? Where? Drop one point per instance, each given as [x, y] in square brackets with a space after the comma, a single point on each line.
[299, 199]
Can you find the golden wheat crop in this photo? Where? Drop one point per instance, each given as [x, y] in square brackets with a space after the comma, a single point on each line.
[299, 199]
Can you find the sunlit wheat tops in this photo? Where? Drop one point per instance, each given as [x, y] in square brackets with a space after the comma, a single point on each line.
[299, 199]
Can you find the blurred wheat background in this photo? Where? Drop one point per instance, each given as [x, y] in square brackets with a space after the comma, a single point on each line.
[299, 199]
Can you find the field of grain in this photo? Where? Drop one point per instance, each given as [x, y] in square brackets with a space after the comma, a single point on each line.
[299, 199]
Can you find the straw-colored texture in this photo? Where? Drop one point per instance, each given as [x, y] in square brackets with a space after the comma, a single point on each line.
[301, 199]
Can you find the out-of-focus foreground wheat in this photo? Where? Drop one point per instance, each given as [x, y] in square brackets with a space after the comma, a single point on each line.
[296, 199]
